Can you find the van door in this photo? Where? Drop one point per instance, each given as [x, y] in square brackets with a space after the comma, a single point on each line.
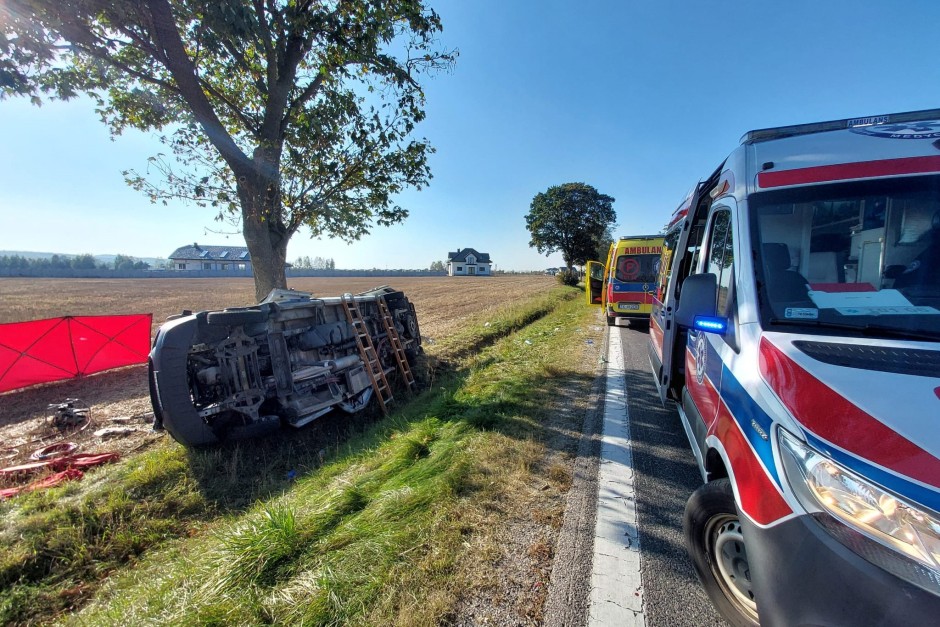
[671, 374]
[658, 313]
[594, 283]
[706, 353]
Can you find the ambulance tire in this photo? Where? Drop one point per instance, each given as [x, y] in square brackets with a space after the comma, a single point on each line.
[714, 540]
[611, 321]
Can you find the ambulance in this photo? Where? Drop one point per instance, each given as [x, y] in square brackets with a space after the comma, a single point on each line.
[623, 285]
[796, 327]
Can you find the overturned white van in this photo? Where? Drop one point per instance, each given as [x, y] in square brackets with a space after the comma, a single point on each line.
[797, 329]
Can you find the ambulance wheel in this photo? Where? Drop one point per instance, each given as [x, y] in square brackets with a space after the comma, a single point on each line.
[716, 544]
[611, 321]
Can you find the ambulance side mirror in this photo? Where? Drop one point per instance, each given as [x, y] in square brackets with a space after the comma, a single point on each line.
[697, 304]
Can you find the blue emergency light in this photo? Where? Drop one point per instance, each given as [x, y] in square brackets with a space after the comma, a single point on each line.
[710, 324]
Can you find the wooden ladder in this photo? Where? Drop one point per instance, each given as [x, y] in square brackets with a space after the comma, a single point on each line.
[394, 339]
[367, 352]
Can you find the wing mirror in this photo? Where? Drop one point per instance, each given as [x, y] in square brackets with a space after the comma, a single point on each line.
[697, 304]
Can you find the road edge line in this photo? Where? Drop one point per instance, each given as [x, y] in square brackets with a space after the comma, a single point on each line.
[616, 584]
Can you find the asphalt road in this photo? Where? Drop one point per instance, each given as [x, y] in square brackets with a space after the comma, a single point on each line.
[665, 476]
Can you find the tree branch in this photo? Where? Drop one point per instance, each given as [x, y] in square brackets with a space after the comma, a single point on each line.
[181, 67]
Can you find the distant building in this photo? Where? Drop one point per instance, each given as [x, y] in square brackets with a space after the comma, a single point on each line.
[196, 257]
[468, 262]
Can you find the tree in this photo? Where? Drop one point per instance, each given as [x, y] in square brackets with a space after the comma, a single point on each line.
[572, 218]
[124, 262]
[84, 262]
[602, 245]
[437, 266]
[283, 114]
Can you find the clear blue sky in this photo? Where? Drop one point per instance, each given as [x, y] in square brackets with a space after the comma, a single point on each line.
[638, 99]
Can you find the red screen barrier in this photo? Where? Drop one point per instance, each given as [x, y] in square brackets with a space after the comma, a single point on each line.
[40, 351]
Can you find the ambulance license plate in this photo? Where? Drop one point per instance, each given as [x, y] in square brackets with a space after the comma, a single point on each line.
[629, 306]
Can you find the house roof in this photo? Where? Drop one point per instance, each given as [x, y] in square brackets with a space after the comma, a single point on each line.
[215, 253]
[461, 255]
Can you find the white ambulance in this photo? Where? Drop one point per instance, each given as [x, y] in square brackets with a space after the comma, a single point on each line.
[797, 329]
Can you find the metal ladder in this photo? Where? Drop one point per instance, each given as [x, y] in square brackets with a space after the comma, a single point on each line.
[395, 340]
[367, 352]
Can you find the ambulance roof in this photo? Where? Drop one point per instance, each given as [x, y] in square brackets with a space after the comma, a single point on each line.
[779, 132]
[899, 144]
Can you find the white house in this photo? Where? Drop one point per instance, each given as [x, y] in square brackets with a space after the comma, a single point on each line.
[196, 257]
[468, 262]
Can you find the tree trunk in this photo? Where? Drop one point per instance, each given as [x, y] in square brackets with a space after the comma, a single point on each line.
[268, 250]
[265, 233]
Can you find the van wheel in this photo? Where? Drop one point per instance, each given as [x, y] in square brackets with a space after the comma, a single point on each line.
[716, 544]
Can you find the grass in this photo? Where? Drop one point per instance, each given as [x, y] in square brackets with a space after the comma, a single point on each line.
[395, 522]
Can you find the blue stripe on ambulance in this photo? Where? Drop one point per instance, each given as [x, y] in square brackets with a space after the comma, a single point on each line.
[620, 286]
[744, 409]
[741, 406]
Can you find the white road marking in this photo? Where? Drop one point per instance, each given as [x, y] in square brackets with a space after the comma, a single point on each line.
[616, 587]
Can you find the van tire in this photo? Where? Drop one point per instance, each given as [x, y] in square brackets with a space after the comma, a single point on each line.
[715, 543]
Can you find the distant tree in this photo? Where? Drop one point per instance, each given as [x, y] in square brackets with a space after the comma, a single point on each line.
[283, 114]
[84, 262]
[123, 262]
[572, 219]
[437, 266]
[322, 263]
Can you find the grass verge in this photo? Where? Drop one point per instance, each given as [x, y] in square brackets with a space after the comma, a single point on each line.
[395, 524]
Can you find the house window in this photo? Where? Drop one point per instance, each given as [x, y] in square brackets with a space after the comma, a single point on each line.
[207, 266]
[459, 268]
[181, 266]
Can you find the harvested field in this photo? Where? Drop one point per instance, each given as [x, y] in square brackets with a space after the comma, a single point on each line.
[440, 301]
[119, 399]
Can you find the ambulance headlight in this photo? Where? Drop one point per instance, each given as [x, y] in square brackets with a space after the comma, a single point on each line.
[866, 512]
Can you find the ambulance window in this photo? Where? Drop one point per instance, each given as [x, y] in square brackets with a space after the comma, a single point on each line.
[721, 257]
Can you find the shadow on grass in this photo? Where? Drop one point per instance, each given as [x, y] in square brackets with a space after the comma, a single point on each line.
[234, 476]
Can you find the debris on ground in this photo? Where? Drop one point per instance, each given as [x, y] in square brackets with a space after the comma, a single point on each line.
[113, 432]
[67, 468]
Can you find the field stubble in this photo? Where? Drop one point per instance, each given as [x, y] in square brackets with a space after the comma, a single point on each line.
[120, 398]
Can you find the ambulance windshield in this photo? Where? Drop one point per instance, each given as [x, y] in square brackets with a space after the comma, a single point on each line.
[862, 256]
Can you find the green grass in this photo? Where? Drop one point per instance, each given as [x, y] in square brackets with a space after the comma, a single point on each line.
[389, 523]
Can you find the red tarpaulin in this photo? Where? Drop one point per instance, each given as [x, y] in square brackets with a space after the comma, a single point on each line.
[40, 351]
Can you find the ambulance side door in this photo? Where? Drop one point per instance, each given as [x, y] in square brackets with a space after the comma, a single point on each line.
[670, 350]
[707, 353]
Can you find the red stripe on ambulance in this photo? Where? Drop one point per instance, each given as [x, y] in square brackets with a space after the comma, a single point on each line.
[832, 417]
[845, 171]
[759, 495]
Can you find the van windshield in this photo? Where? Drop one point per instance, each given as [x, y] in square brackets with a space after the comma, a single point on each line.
[859, 257]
